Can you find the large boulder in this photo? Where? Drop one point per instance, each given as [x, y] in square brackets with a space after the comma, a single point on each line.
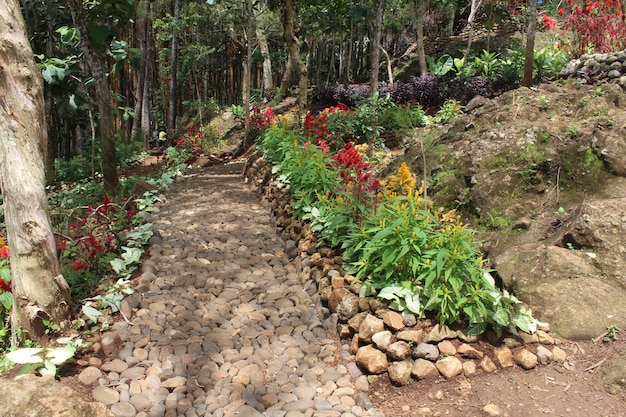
[45, 397]
[565, 288]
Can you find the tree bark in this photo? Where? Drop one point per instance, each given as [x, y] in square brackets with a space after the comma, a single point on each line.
[267, 85]
[141, 121]
[375, 46]
[95, 56]
[530, 43]
[288, 16]
[171, 121]
[39, 290]
[419, 9]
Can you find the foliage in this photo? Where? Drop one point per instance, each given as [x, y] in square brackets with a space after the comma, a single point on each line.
[86, 239]
[6, 296]
[450, 110]
[78, 167]
[46, 361]
[598, 26]
[420, 259]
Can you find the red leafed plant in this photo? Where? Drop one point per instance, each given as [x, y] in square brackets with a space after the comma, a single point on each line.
[598, 26]
[359, 184]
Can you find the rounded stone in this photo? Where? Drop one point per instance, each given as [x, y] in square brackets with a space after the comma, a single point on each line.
[123, 410]
[105, 395]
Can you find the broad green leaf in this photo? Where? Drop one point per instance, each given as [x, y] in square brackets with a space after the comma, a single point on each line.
[98, 33]
[25, 355]
[501, 316]
[6, 299]
[91, 313]
[118, 265]
[49, 368]
[413, 303]
[60, 355]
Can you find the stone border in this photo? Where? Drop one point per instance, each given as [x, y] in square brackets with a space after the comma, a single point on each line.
[591, 68]
[380, 339]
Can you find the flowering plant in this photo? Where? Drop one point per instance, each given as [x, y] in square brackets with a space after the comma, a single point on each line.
[598, 25]
[6, 296]
[87, 240]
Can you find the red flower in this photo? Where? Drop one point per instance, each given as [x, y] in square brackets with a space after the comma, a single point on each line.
[78, 265]
[548, 22]
[561, 12]
[4, 252]
[5, 286]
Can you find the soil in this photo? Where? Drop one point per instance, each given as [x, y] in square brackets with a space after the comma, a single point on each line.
[591, 383]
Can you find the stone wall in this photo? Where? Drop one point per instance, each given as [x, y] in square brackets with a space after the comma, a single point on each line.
[591, 68]
[378, 340]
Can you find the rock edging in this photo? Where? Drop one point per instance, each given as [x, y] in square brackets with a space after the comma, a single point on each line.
[380, 340]
[591, 68]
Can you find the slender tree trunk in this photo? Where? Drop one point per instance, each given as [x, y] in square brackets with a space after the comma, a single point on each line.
[418, 10]
[389, 70]
[94, 56]
[476, 5]
[146, 117]
[141, 79]
[285, 82]
[530, 43]
[375, 46]
[171, 122]
[39, 290]
[293, 44]
[267, 84]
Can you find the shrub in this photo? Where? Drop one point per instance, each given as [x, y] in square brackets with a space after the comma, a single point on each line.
[422, 260]
[598, 26]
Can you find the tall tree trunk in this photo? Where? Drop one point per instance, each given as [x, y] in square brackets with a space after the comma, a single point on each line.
[141, 79]
[475, 7]
[49, 147]
[94, 55]
[285, 82]
[293, 44]
[39, 290]
[267, 85]
[146, 117]
[418, 10]
[530, 43]
[375, 46]
[171, 121]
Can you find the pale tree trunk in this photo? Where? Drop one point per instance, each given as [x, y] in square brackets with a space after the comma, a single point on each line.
[293, 44]
[389, 70]
[418, 10]
[285, 82]
[141, 121]
[94, 55]
[171, 122]
[476, 6]
[39, 290]
[530, 43]
[375, 46]
[267, 85]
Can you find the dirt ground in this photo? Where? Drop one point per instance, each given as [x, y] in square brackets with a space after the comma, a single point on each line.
[592, 383]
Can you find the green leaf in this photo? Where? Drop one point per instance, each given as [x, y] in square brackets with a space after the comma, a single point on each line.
[118, 265]
[92, 313]
[501, 316]
[6, 299]
[98, 33]
[25, 355]
[48, 369]
[60, 355]
[413, 303]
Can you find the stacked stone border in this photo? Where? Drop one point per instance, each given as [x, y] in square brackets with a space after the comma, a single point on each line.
[381, 340]
[593, 68]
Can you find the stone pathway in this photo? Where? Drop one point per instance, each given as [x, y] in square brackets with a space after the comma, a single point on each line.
[222, 326]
